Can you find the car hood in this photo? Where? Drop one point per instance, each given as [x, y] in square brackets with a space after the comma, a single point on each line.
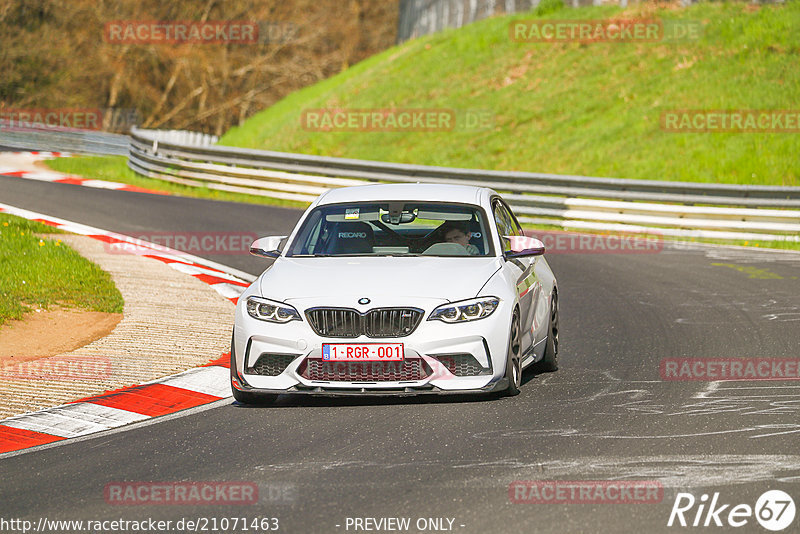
[419, 276]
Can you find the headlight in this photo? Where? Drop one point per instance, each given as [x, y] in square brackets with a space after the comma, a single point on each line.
[269, 310]
[466, 310]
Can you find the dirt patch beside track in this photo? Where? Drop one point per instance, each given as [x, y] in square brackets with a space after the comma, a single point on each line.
[171, 322]
[49, 332]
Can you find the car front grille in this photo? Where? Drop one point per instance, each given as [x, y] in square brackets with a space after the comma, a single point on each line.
[271, 364]
[462, 364]
[408, 369]
[335, 322]
[392, 322]
[377, 323]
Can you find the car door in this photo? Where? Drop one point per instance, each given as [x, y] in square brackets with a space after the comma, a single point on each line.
[520, 269]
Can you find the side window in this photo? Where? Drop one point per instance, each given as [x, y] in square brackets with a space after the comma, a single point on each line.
[304, 243]
[515, 227]
[504, 225]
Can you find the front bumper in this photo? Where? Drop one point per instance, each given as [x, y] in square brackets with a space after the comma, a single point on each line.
[334, 391]
[432, 341]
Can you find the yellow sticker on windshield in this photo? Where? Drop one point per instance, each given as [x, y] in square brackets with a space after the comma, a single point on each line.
[351, 213]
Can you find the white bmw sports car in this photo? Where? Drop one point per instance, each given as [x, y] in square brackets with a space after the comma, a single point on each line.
[396, 289]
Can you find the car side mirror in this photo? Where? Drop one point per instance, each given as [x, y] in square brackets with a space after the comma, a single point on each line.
[523, 246]
[267, 247]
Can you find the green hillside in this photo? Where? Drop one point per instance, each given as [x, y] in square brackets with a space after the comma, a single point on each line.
[570, 108]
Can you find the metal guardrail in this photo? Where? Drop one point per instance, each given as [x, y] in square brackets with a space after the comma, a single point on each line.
[422, 17]
[639, 206]
[182, 137]
[41, 137]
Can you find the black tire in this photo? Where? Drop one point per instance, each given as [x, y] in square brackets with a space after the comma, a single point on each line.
[549, 362]
[513, 362]
[244, 397]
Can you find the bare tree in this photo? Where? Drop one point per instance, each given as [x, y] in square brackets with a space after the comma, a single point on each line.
[57, 54]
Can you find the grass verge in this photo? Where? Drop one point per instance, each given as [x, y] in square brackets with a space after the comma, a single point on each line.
[40, 272]
[590, 109]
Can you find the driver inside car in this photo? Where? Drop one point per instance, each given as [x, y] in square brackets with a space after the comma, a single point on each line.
[457, 232]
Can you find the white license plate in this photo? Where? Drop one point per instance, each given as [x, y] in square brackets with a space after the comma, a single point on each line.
[362, 352]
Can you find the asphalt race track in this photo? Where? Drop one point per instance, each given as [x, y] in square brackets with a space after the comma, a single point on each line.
[605, 415]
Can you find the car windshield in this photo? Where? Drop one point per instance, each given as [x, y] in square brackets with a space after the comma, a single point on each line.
[393, 229]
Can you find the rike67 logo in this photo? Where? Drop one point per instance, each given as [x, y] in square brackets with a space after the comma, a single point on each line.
[774, 510]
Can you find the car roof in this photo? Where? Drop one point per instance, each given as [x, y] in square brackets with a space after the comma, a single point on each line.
[463, 194]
